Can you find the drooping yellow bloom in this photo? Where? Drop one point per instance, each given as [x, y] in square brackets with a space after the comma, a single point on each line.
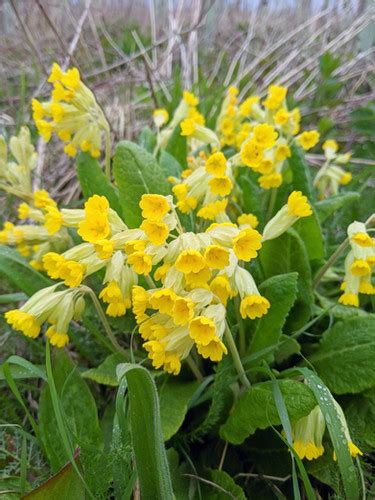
[298, 205]
[157, 232]
[190, 261]
[308, 435]
[216, 257]
[308, 139]
[160, 116]
[265, 135]
[246, 244]
[154, 206]
[275, 97]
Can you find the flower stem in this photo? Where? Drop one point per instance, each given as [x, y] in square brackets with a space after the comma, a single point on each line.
[194, 368]
[104, 320]
[271, 205]
[236, 357]
[329, 263]
[241, 329]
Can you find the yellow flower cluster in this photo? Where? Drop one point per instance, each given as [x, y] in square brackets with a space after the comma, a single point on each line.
[359, 265]
[190, 276]
[72, 113]
[330, 176]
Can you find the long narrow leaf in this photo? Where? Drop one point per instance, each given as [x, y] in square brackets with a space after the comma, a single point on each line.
[147, 438]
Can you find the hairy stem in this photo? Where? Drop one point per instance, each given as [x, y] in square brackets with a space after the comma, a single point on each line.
[236, 357]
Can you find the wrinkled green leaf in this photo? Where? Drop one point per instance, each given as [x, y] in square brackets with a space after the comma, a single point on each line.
[328, 207]
[105, 373]
[256, 409]
[146, 433]
[147, 139]
[174, 398]
[360, 415]
[301, 172]
[177, 146]
[16, 270]
[93, 181]
[79, 410]
[169, 164]
[281, 291]
[136, 172]
[227, 487]
[345, 359]
[286, 254]
[311, 234]
[250, 196]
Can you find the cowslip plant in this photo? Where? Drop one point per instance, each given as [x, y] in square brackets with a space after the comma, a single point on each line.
[203, 270]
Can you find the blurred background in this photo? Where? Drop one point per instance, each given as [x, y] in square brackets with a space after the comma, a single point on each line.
[138, 55]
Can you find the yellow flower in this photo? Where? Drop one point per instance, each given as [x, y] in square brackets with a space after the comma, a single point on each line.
[57, 339]
[270, 181]
[265, 135]
[345, 178]
[298, 205]
[220, 287]
[72, 273]
[187, 204]
[216, 257]
[190, 98]
[246, 244]
[183, 311]
[154, 206]
[362, 239]
[275, 97]
[254, 306]
[308, 139]
[202, 330]
[23, 321]
[156, 232]
[104, 249]
[52, 263]
[281, 117]
[216, 164]
[248, 104]
[198, 279]
[308, 434]
[23, 211]
[140, 302]
[96, 203]
[360, 268]
[248, 219]
[282, 152]
[188, 127]
[213, 350]
[161, 272]
[349, 299]
[140, 262]
[221, 186]
[132, 246]
[94, 227]
[330, 145]
[42, 199]
[163, 300]
[54, 220]
[160, 117]
[251, 154]
[212, 210]
[190, 261]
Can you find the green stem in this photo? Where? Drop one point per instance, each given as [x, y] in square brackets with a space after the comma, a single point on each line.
[108, 154]
[271, 205]
[329, 263]
[241, 329]
[236, 357]
[104, 320]
[194, 368]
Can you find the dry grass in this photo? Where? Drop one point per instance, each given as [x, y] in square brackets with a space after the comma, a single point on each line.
[127, 52]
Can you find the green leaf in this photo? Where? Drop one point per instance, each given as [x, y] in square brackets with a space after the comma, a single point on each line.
[256, 409]
[170, 165]
[16, 270]
[281, 291]
[284, 255]
[336, 432]
[79, 410]
[328, 207]
[146, 432]
[250, 195]
[177, 146]
[360, 415]
[287, 347]
[105, 373]
[311, 233]
[174, 398]
[345, 359]
[93, 181]
[136, 172]
[147, 139]
[9, 298]
[21, 368]
[301, 172]
[227, 487]
[65, 485]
